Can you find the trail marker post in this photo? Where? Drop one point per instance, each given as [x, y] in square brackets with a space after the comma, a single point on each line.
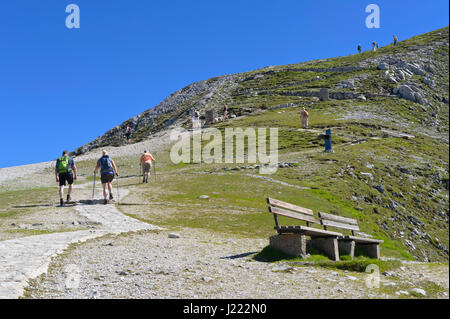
[328, 148]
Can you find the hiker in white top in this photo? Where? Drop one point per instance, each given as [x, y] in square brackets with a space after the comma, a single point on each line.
[195, 120]
[305, 116]
[225, 112]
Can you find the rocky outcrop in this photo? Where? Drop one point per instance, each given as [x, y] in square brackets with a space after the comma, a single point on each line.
[200, 94]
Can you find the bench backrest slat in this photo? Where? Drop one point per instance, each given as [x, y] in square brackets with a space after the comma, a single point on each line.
[364, 235]
[330, 223]
[297, 209]
[286, 213]
[339, 219]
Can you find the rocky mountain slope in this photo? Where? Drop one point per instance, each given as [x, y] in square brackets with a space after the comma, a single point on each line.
[415, 70]
[389, 114]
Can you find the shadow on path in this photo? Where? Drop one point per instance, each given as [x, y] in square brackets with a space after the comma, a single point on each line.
[240, 255]
[33, 206]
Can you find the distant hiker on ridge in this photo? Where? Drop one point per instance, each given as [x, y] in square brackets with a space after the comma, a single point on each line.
[128, 133]
[146, 164]
[359, 48]
[107, 170]
[195, 120]
[395, 40]
[305, 116]
[374, 46]
[65, 171]
[225, 112]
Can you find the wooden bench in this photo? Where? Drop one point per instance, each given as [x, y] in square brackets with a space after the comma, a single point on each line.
[292, 239]
[367, 245]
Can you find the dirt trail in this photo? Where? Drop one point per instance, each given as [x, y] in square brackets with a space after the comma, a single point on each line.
[26, 258]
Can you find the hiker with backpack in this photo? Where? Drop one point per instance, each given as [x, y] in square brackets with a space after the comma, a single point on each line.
[65, 171]
[359, 48]
[395, 40]
[107, 170]
[146, 165]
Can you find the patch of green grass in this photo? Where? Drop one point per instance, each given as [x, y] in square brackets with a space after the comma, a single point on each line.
[358, 264]
[236, 201]
[33, 232]
[21, 200]
[270, 254]
[9, 213]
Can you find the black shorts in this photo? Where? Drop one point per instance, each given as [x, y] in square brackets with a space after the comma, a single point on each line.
[65, 177]
[147, 167]
[107, 178]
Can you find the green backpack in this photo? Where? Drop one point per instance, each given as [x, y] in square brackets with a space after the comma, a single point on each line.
[63, 164]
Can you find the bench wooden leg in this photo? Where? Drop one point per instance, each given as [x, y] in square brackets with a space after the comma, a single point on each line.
[291, 244]
[328, 245]
[347, 247]
[370, 250]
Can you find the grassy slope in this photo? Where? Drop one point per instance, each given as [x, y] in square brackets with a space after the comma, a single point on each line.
[237, 200]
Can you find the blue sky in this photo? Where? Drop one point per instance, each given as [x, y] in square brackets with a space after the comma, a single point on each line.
[61, 88]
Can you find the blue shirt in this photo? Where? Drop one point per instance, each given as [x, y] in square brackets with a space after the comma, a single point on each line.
[105, 169]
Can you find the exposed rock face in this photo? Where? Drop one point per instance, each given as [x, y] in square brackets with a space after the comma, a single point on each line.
[407, 93]
[202, 91]
[383, 66]
[346, 84]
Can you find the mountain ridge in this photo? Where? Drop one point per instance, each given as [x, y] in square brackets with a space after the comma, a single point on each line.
[413, 58]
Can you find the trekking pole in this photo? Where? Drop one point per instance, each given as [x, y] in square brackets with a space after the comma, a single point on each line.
[93, 189]
[154, 166]
[118, 194]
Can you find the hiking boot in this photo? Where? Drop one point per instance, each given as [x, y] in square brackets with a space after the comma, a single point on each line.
[111, 196]
[61, 202]
[105, 201]
[68, 198]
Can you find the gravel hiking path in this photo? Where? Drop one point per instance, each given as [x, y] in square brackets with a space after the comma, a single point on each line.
[193, 263]
[26, 258]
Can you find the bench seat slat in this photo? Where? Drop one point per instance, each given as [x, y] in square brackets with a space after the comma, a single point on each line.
[339, 219]
[282, 212]
[295, 208]
[309, 231]
[329, 223]
[362, 240]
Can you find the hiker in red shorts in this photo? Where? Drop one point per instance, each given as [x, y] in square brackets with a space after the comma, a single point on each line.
[146, 164]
